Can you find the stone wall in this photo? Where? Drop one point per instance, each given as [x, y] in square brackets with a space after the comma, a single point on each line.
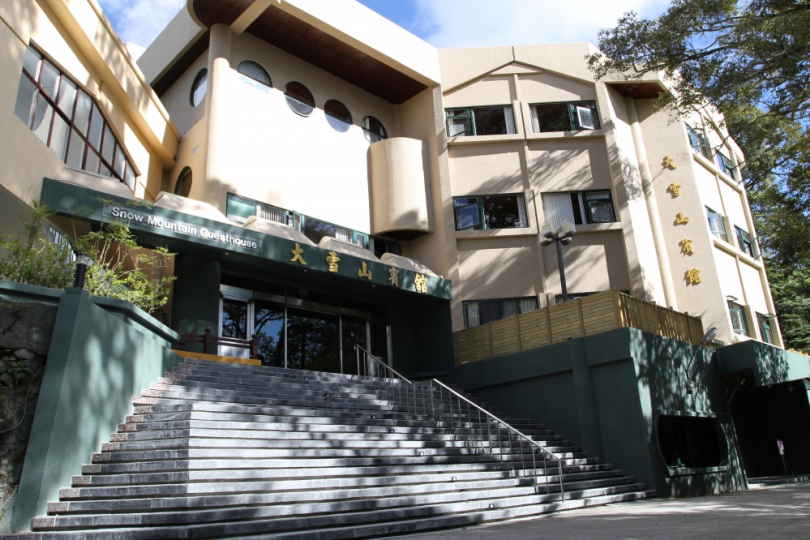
[25, 336]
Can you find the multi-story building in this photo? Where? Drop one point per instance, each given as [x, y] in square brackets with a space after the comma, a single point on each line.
[329, 180]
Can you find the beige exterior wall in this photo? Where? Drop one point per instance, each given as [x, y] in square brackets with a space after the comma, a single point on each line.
[78, 39]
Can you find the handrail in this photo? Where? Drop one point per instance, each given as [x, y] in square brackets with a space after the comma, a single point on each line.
[522, 436]
[407, 393]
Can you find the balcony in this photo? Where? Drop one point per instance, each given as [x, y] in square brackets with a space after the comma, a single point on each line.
[587, 316]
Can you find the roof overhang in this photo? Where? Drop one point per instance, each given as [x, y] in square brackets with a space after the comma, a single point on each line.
[342, 37]
[770, 365]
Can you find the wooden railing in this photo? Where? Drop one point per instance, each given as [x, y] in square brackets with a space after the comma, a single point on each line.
[586, 316]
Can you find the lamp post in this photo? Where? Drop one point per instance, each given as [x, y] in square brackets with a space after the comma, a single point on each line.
[562, 235]
[82, 262]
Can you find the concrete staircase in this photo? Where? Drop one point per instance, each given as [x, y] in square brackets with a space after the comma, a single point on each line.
[229, 451]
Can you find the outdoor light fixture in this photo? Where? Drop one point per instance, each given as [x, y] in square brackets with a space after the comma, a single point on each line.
[82, 262]
[562, 235]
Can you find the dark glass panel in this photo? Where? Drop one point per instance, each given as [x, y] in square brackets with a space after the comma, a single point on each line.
[234, 319]
[490, 121]
[299, 98]
[373, 129]
[354, 333]
[120, 160]
[31, 62]
[91, 165]
[269, 329]
[490, 311]
[337, 115]
[24, 107]
[315, 229]
[689, 442]
[312, 341]
[199, 87]
[254, 71]
[502, 211]
[553, 117]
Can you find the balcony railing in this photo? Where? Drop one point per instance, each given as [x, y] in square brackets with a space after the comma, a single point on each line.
[586, 316]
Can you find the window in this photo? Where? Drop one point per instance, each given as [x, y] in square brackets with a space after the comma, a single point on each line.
[747, 244]
[198, 87]
[315, 229]
[765, 328]
[738, 322]
[183, 185]
[299, 98]
[716, 224]
[381, 246]
[725, 165]
[689, 442]
[490, 212]
[579, 208]
[698, 141]
[254, 71]
[69, 121]
[575, 116]
[496, 120]
[373, 129]
[486, 311]
[239, 209]
[337, 115]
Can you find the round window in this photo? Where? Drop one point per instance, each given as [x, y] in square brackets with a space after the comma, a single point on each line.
[199, 87]
[299, 98]
[373, 129]
[337, 115]
[183, 185]
[254, 71]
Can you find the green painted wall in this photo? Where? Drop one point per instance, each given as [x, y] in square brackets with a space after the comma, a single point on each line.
[605, 393]
[97, 361]
[195, 300]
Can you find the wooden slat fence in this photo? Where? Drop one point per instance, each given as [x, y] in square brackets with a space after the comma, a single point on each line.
[586, 316]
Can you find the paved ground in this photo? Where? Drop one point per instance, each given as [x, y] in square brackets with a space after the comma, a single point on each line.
[773, 512]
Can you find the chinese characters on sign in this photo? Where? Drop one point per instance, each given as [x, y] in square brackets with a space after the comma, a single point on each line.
[420, 282]
[693, 276]
[686, 247]
[332, 260]
[681, 219]
[364, 271]
[297, 252]
[675, 189]
[669, 162]
[393, 276]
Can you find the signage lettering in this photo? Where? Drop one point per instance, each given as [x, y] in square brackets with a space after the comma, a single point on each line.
[181, 227]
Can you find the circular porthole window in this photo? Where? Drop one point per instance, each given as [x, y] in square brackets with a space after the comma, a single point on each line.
[254, 71]
[299, 98]
[199, 87]
[337, 115]
[373, 129]
[183, 185]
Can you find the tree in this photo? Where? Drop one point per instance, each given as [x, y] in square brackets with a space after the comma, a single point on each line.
[123, 270]
[751, 60]
[30, 258]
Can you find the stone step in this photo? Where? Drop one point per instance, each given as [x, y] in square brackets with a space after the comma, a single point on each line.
[447, 463]
[254, 443]
[94, 476]
[181, 484]
[438, 503]
[372, 496]
[383, 434]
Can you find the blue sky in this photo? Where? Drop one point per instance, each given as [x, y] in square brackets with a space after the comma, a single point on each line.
[443, 23]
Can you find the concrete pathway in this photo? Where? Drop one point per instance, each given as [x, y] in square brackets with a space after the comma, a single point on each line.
[773, 512]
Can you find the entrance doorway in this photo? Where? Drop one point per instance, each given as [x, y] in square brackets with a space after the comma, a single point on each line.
[299, 334]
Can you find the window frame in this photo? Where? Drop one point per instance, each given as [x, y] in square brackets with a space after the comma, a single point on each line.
[582, 210]
[702, 147]
[573, 116]
[734, 307]
[500, 308]
[746, 244]
[371, 136]
[722, 220]
[269, 83]
[347, 122]
[196, 84]
[128, 175]
[482, 218]
[288, 97]
[469, 115]
[765, 329]
[725, 165]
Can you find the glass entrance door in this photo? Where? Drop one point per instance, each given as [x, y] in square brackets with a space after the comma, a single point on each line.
[312, 341]
[269, 327]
